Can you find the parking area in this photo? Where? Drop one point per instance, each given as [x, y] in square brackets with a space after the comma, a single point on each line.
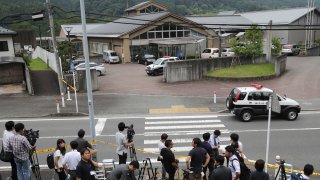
[302, 80]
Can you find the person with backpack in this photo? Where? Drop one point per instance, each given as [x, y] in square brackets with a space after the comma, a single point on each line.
[307, 172]
[259, 174]
[236, 163]
[233, 162]
[58, 158]
[220, 172]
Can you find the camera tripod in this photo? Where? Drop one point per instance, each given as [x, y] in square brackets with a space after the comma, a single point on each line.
[281, 170]
[35, 164]
[133, 154]
[147, 166]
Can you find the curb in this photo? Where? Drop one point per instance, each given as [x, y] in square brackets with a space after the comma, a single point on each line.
[258, 78]
[49, 115]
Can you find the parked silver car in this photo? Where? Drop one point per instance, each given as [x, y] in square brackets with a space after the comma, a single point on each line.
[290, 49]
[99, 67]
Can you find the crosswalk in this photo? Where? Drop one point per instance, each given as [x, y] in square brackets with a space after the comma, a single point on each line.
[181, 130]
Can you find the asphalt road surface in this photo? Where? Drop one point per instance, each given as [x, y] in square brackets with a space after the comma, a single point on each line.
[295, 141]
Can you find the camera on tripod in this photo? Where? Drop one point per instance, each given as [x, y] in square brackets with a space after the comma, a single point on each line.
[31, 136]
[130, 133]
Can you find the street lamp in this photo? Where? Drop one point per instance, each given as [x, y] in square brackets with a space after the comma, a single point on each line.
[68, 29]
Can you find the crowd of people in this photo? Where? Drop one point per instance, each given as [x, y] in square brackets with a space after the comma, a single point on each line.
[204, 161]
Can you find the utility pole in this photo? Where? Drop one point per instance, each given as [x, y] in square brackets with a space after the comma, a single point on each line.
[220, 42]
[54, 44]
[88, 75]
[269, 41]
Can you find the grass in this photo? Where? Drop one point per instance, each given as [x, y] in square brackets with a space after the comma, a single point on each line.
[37, 65]
[243, 71]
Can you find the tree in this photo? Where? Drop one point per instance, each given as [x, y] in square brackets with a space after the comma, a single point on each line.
[276, 46]
[65, 49]
[251, 46]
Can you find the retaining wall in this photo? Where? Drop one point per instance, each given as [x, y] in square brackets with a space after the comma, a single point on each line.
[189, 70]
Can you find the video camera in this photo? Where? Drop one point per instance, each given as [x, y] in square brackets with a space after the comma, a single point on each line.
[130, 133]
[31, 136]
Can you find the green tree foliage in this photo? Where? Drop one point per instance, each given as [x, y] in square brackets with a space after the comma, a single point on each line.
[251, 46]
[276, 46]
[65, 49]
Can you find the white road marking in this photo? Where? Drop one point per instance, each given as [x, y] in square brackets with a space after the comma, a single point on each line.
[182, 117]
[183, 122]
[185, 127]
[278, 130]
[182, 140]
[177, 149]
[223, 131]
[39, 120]
[100, 125]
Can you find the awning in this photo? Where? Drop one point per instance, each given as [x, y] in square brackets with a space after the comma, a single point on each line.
[240, 34]
[225, 34]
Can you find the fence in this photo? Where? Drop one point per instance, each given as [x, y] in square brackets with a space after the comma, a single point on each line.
[47, 57]
[314, 51]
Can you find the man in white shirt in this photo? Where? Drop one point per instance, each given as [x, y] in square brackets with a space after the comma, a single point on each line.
[71, 160]
[214, 141]
[307, 172]
[161, 145]
[122, 142]
[233, 162]
[5, 143]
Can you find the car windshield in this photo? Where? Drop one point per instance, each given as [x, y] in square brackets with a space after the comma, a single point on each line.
[158, 61]
[113, 54]
[149, 56]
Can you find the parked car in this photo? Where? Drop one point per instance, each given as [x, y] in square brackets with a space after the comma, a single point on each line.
[157, 67]
[99, 67]
[145, 59]
[210, 53]
[290, 49]
[78, 61]
[246, 102]
[227, 52]
[110, 56]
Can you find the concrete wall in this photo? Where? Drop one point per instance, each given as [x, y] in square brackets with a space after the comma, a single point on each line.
[10, 51]
[315, 51]
[280, 65]
[11, 73]
[189, 70]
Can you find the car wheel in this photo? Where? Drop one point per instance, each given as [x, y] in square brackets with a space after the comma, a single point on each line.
[246, 115]
[292, 114]
[99, 73]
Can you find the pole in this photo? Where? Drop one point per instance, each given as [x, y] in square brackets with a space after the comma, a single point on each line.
[268, 134]
[269, 41]
[54, 44]
[88, 75]
[220, 42]
[75, 91]
[214, 97]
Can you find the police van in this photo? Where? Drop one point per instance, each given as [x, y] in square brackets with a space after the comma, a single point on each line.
[247, 102]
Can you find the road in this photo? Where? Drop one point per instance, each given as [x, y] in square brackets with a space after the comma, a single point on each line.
[295, 141]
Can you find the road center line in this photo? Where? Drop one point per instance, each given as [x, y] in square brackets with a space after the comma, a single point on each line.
[183, 122]
[276, 130]
[100, 125]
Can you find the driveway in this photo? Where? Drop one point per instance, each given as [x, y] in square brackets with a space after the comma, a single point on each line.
[301, 81]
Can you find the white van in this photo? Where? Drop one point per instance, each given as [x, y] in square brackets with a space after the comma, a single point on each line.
[110, 56]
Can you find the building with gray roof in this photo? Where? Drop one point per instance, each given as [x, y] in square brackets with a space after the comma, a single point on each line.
[6, 42]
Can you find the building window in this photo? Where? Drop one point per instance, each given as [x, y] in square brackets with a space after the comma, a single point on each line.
[4, 46]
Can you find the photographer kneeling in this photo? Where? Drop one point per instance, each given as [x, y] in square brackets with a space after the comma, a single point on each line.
[21, 149]
[168, 159]
[124, 172]
[122, 142]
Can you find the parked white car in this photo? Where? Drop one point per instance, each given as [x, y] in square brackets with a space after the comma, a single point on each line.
[110, 56]
[227, 52]
[99, 67]
[157, 67]
[210, 53]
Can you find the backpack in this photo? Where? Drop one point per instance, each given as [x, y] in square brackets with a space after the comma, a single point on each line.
[296, 176]
[244, 170]
[50, 161]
